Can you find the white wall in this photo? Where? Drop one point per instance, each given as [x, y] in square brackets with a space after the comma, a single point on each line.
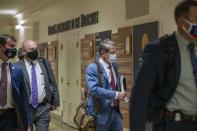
[111, 15]
[6, 25]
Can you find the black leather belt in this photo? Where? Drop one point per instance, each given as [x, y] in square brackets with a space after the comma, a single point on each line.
[40, 104]
[179, 116]
[3, 111]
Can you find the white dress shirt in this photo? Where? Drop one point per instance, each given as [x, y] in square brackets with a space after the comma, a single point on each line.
[9, 88]
[40, 80]
[107, 70]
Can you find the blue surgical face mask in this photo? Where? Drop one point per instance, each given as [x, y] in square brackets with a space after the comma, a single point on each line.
[192, 29]
[113, 58]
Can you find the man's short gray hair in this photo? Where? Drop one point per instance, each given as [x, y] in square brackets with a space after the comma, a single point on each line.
[103, 47]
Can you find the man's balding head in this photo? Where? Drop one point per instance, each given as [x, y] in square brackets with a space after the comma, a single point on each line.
[29, 45]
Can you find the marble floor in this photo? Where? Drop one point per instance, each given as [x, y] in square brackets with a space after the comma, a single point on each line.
[57, 125]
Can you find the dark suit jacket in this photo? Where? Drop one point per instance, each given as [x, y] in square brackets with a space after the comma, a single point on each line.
[20, 98]
[150, 75]
[51, 89]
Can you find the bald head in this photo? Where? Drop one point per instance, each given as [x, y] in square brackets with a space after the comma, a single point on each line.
[29, 45]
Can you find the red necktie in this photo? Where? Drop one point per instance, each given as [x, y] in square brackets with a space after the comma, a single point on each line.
[3, 85]
[112, 83]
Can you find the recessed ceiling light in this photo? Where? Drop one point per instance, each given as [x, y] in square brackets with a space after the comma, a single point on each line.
[18, 27]
[19, 16]
[8, 12]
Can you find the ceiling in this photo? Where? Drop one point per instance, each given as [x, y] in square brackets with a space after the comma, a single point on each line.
[11, 8]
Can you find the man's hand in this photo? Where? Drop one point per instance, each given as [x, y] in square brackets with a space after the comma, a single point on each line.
[121, 95]
[53, 108]
[29, 129]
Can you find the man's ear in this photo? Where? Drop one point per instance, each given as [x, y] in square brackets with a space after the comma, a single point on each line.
[182, 22]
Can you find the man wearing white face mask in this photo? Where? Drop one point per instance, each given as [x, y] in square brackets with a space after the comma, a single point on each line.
[165, 90]
[108, 118]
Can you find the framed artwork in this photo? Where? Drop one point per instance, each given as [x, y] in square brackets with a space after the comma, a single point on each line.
[43, 50]
[127, 45]
[92, 50]
[143, 34]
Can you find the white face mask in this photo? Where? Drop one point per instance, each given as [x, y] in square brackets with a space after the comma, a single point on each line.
[113, 58]
[192, 29]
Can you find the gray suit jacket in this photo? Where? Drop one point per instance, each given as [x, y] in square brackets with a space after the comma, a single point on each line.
[52, 93]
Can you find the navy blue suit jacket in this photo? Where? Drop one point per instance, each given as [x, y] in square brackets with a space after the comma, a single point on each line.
[20, 98]
[150, 75]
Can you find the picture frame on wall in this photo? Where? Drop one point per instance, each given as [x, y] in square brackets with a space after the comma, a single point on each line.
[46, 53]
[142, 35]
[43, 50]
[127, 45]
[92, 50]
[54, 52]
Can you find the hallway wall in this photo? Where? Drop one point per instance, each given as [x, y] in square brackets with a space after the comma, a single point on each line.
[6, 25]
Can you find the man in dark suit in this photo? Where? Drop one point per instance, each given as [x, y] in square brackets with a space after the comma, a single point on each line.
[14, 103]
[171, 90]
[40, 85]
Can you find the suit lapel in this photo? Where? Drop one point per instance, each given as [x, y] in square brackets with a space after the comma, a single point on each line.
[177, 59]
[104, 73]
[117, 76]
[46, 80]
[42, 66]
[25, 73]
[12, 73]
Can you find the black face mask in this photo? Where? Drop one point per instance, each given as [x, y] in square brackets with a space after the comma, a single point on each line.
[10, 53]
[32, 55]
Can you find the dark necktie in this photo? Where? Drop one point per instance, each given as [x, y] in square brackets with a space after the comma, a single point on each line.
[3, 85]
[34, 86]
[113, 85]
[193, 58]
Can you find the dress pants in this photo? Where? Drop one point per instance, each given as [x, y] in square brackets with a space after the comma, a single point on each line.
[41, 117]
[113, 124]
[8, 120]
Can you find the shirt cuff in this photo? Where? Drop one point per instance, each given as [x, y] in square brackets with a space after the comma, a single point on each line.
[116, 97]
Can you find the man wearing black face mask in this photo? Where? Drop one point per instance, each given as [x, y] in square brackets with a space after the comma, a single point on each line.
[165, 89]
[14, 103]
[40, 85]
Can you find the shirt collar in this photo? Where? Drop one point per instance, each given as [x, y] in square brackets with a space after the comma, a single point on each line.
[183, 42]
[29, 63]
[105, 64]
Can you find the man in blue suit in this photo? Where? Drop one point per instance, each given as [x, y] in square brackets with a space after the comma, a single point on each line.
[108, 117]
[165, 89]
[14, 103]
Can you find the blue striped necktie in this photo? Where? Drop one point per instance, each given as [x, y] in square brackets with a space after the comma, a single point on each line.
[193, 58]
[34, 86]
